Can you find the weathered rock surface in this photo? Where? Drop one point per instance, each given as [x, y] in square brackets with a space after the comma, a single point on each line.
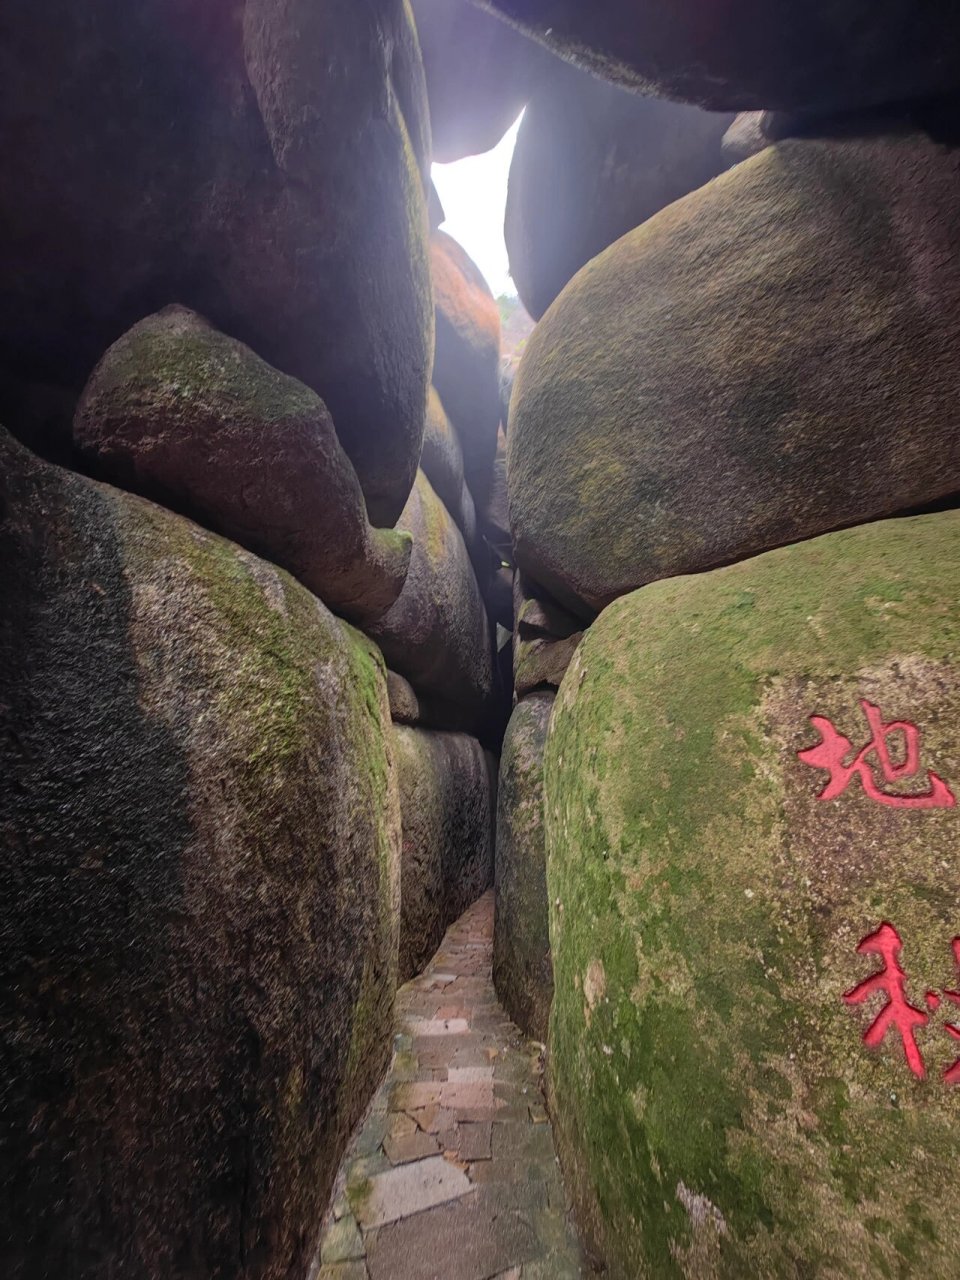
[437, 634]
[201, 835]
[214, 159]
[447, 802]
[771, 357]
[794, 54]
[480, 73]
[495, 517]
[183, 414]
[442, 464]
[466, 370]
[719, 1111]
[522, 969]
[593, 161]
[411, 708]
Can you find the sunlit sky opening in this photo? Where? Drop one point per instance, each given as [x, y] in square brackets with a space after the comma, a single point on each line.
[473, 193]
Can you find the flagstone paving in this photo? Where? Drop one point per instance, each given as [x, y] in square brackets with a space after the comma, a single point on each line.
[453, 1174]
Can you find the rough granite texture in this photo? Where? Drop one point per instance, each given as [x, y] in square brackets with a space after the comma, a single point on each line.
[447, 798]
[437, 634]
[185, 415]
[741, 56]
[260, 161]
[441, 461]
[593, 161]
[718, 1114]
[200, 839]
[771, 357]
[522, 970]
[466, 369]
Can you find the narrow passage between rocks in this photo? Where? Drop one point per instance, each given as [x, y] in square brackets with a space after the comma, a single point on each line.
[453, 1174]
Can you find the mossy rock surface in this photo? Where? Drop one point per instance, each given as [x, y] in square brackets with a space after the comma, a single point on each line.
[593, 161]
[769, 358]
[447, 804]
[437, 634]
[522, 971]
[183, 414]
[718, 1111]
[266, 169]
[812, 55]
[201, 835]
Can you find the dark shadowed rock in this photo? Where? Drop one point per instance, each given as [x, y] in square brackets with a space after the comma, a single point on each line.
[712, 910]
[200, 834]
[771, 357]
[545, 638]
[466, 371]
[260, 162]
[437, 634]
[740, 56]
[592, 162]
[191, 418]
[522, 971]
[480, 73]
[447, 802]
[411, 708]
[495, 517]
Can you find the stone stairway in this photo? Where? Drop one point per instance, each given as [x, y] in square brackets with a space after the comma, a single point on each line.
[453, 1174]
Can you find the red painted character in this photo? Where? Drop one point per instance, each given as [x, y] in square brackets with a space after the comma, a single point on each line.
[952, 1074]
[897, 1012]
[831, 752]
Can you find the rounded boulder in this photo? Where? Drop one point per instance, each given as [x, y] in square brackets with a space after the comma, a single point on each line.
[751, 786]
[771, 357]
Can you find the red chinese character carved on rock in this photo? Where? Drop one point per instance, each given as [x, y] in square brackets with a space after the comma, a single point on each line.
[834, 748]
[891, 980]
[952, 1074]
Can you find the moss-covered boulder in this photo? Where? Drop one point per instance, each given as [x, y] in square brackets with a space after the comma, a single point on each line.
[740, 55]
[200, 837]
[769, 358]
[522, 970]
[593, 161]
[183, 414]
[262, 163]
[466, 369]
[751, 779]
[437, 633]
[447, 798]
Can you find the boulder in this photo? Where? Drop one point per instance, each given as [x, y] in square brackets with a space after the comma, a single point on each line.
[447, 803]
[734, 1093]
[495, 517]
[442, 464]
[410, 708]
[201, 838]
[480, 74]
[593, 161]
[545, 638]
[733, 374]
[261, 163]
[740, 56]
[191, 418]
[437, 634]
[522, 969]
[466, 370]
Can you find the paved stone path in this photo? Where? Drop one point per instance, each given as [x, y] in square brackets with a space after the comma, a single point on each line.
[453, 1175]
